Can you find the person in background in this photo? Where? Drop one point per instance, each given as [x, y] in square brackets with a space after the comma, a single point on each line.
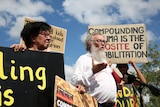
[132, 80]
[36, 36]
[93, 74]
[123, 68]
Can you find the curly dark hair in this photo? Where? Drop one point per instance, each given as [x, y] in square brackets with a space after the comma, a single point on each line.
[32, 29]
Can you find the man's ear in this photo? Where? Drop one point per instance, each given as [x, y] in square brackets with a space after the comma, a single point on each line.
[88, 48]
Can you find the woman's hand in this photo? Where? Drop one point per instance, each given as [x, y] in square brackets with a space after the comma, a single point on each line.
[18, 47]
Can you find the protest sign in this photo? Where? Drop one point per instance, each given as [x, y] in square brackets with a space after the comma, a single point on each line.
[124, 42]
[58, 37]
[127, 97]
[66, 95]
[27, 78]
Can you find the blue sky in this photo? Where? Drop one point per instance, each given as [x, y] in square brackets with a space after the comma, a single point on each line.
[75, 16]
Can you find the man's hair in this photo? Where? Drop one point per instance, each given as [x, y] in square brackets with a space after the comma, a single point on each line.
[32, 29]
[89, 38]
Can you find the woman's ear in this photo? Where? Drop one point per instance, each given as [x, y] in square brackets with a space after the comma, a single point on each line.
[33, 38]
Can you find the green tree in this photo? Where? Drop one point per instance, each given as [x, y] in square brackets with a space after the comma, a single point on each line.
[151, 71]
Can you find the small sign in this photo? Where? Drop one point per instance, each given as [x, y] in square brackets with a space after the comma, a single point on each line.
[66, 95]
[127, 97]
[58, 37]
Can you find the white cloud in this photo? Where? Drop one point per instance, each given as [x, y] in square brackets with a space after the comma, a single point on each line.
[18, 25]
[83, 37]
[2, 22]
[111, 11]
[5, 19]
[24, 7]
[150, 36]
[88, 12]
[16, 28]
[12, 13]
[68, 72]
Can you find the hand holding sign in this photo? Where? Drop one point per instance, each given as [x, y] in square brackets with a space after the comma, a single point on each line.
[123, 42]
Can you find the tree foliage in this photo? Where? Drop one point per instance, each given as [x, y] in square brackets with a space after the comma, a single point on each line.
[151, 71]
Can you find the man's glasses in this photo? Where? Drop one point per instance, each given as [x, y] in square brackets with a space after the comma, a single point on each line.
[99, 41]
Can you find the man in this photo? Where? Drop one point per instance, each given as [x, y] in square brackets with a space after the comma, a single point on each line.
[36, 36]
[94, 73]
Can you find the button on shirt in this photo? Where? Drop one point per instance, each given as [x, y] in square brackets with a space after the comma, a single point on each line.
[101, 85]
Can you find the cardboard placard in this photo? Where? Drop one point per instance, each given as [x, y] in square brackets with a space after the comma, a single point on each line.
[124, 42]
[66, 95]
[58, 37]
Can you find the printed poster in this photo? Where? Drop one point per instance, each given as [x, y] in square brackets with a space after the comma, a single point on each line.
[66, 95]
[127, 97]
[123, 42]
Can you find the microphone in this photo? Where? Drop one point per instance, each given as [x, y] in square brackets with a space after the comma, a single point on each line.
[154, 90]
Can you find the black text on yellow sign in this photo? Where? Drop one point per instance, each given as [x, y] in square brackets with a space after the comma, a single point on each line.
[127, 98]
